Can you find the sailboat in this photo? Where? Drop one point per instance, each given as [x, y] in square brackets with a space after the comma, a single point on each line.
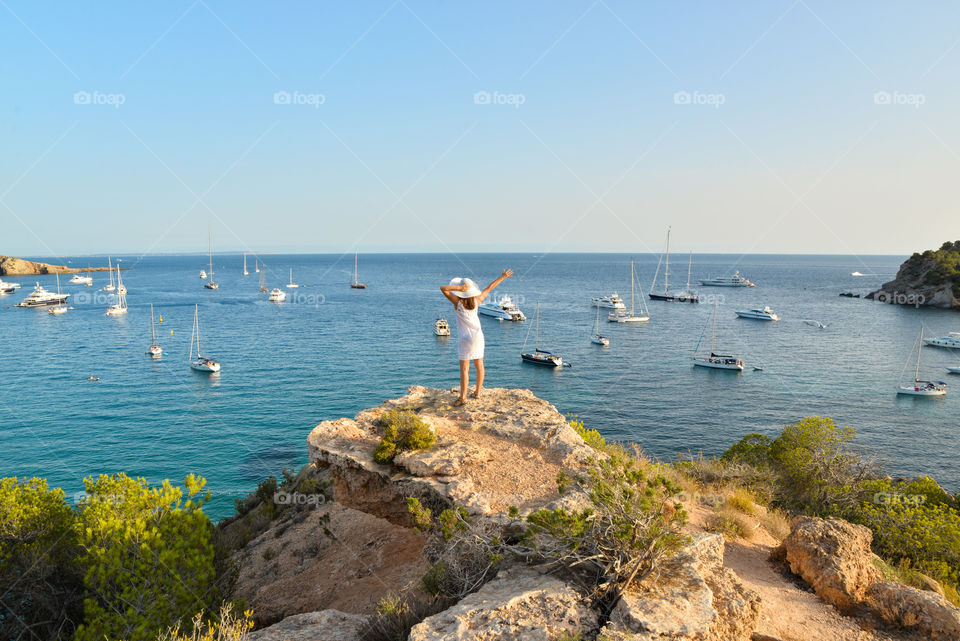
[540, 356]
[200, 363]
[110, 287]
[256, 265]
[623, 316]
[291, 284]
[245, 272]
[263, 282]
[356, 284]
[61, 308]
[154, 350]
[714, 360]
[681, 297]
[597, 339]
[918, 387]
[121, 306]
[210, 284]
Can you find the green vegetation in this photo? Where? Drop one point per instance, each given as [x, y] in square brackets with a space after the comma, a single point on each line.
[402, 431]
[945, 265]
[590, 437]
[227, 627]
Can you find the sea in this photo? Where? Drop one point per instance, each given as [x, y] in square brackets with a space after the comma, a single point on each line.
[330, 351]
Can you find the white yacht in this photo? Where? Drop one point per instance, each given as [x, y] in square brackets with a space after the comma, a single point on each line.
[503, 309]
[82, 280]
[60, 309]
[203, 274]
[7, 288]
[918, 387]
[277, 295]
[623, 316]
[441, 328]
[154, 350]
[728, 281]
[40, 297]
[291, 284]
[954, 370]
[613, 301]
[951, 340]
[759, 313]
[200, 363]
[120, 307]
[109, 287]
[715, 360]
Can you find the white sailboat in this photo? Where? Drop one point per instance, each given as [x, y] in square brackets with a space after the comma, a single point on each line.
[356, 284]
[623, 316]
[109, 287]
[540, 356]
[61, 308]
[682, 297]
[597, 339]
[714, 360]
[918, 387]
[263, 282]
[210, 284]
[256, 265]
[200, 363]
[120, 307]
[291, 284]
[245, 272]
[154, 350]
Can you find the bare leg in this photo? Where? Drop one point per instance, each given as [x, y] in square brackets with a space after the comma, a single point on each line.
[464, 381]
[478, 364]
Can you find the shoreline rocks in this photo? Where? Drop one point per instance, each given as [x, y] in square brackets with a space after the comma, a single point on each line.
[10, 266]
[925, 280]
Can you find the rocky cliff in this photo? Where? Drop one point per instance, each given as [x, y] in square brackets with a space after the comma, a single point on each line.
[928, 279]
[10, 266]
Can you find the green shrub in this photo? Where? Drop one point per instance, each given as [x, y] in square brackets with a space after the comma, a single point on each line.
[402, 431]
[752, 449]
[741, 501]
[730, 524]
[396, 615]
[589, 436]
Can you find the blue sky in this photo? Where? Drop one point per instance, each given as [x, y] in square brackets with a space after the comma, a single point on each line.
[748, 126]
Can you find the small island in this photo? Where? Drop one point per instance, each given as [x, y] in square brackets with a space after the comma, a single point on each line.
[10, 266]
[930, 279]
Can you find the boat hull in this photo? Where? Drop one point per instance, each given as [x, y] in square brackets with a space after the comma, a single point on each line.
[501, 315]
[358, 286]
[705, 362]
[200, 366]
[759, 317]
[680, 298]
[942, 342]
[707, 283]
[600, 340]
[627, 319]
[116, 311]
[913, 391]
[543, 361]
[954, 370]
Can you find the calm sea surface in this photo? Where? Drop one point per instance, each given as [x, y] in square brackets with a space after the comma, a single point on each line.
[330, 351]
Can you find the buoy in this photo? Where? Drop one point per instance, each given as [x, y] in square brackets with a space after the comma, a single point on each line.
[171, 332]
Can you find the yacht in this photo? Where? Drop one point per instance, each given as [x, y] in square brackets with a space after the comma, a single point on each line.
[686, 296]
[503, 309]
[919, 387]
[203, 274]
[40, 297]
[715, 360]
[356, 284]
[200, 363]
[109, 286]
[951, 340]
[121, 306]
[82, 280]
[758, 313]
[623, 316]
[154, 350]
[728, 281]
[277, 295]
[441, 328]
[540, 356]
[60, 309]
[291, 284]
[954, 370]
[7, 288]
[613, 301]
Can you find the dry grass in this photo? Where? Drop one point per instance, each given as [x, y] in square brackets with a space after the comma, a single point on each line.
[731, 524]
[742, 501]
[776, 523]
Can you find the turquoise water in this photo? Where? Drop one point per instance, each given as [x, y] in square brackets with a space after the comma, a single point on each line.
[332, 351]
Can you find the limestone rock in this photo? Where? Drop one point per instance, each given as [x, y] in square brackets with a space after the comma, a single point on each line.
[518, 604]
[447, 460]
[10, 266]
[834, 557]
[926, 613]
[327, 625]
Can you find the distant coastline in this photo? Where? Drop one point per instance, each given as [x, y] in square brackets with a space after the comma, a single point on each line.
[10, 266]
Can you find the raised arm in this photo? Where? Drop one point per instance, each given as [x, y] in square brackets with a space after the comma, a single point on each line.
[507, 273]
[447, 289]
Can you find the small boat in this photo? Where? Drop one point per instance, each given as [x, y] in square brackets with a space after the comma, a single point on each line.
[40, 297]
[245, 272]
[815, 323]
[58, 309]
[715, 360]
[919, 387]
[540, 356]
[210, 284]
[7, 288]
[263, 283]
[685, 296]
[758, 368]
[951, 340]
[356, 284]
[727, 281]
[503, 309]
[120, 307]
[154, 350]
[82, 280]
[613, 301]
[441, 328]
[597, 339]
[759, 313]
[954, 370]
[291, 284]
[624, 316]
[277, 295]
[256, 265]
[109, 287]
[203, 274]
[200, 363]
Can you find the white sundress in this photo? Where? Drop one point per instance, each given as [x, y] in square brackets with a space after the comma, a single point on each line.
[469, 333]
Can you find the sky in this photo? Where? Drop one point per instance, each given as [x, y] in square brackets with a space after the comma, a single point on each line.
[400, 125]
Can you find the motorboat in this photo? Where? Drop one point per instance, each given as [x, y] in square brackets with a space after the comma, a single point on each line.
[82, 280]
[58, 310]
[716, 360]
[920, 387]
[685, 296]
[291, 284]
[597, 339]
[356, 284]
[954, 370]
[727, 281]
[613, 301]
[203, 274]
[441, 328]
[200, 363]
[951, 340]
[120, 308]
[759, 313]
[624, 316]
[154, 350]
[540, 356]
[277, 295]
[40, 297]
[503, 309]
[7, 288]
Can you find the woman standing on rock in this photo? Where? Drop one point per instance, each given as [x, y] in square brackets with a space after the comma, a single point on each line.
[466, 298]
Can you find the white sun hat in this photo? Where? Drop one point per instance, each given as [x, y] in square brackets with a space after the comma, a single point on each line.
[472, 289]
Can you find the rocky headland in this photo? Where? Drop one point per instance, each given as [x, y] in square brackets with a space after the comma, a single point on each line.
[930, 279]
[324, 555]
[10, 266]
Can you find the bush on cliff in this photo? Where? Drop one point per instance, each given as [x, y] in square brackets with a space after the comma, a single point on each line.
[402, 431]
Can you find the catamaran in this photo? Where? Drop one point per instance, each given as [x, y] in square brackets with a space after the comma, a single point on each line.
[502, 309]
[685, 296]
[597, 339]
[291, 284]
[356, 284]
[714, 360]
[918, 387]
[245, 272]
[120, 307]
[58, 309]
[540, 356]
[631, 316]
[40, 297]
[441, 328]
[727, 281]
[210, 284]
[951, 340]
[154, 350]
[109, 287]
[200, 363]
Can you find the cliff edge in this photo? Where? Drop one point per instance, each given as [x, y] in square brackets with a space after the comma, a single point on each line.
[929, 279]
[10, 266]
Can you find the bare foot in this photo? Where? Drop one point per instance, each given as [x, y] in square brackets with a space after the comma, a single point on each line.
[476, 393]
[459, 402]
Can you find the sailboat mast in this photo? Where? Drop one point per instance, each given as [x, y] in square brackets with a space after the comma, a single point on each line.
[537, 344]
[210, 253]
[666, 273]
[196, 324]
[153, 328]
[713, 339]
[632, 287]
[916, 374]
[355, 274]
[689, 267]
